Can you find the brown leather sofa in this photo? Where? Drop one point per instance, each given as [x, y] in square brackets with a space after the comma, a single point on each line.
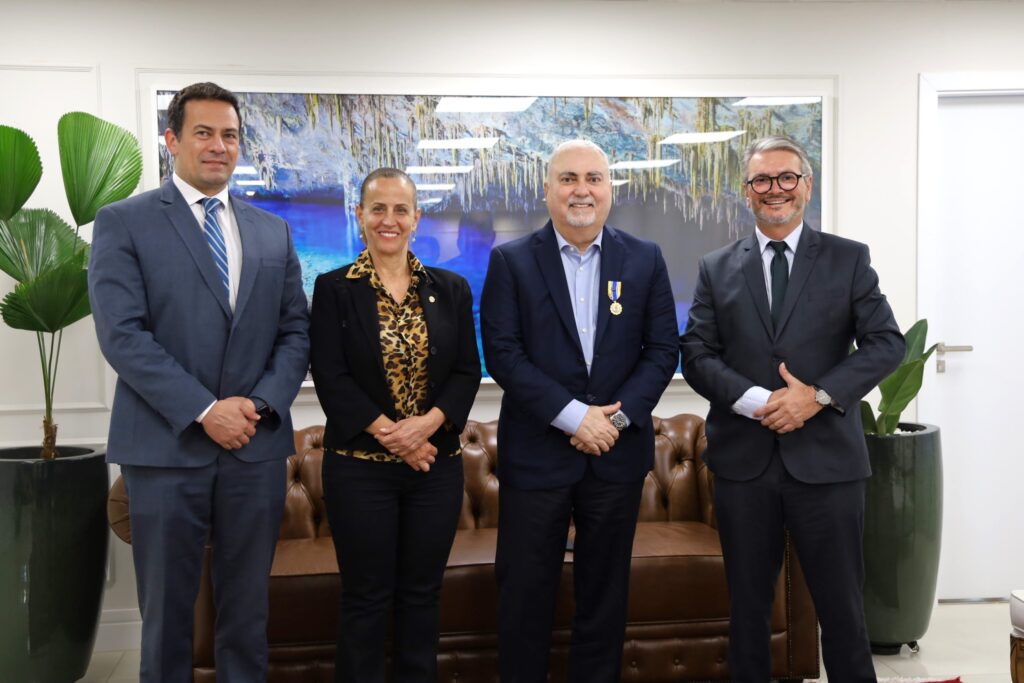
[678, 608]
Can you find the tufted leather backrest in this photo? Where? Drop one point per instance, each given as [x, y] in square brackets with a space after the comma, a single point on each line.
[680, 486]
[304, 513]
[677, 488]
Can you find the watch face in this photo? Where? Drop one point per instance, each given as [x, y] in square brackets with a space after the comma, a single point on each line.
[618, 421]
[822, 397]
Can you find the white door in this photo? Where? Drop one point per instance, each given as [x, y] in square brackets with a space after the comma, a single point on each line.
[971, 290]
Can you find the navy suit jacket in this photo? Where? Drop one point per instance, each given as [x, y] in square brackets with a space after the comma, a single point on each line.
[730, 346]
[164, 324]
[348, 368]
[533, 351]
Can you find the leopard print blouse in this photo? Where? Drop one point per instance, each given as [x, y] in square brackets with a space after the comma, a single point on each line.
[404, 345]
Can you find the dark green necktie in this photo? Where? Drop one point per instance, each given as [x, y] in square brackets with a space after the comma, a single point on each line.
[780, 278]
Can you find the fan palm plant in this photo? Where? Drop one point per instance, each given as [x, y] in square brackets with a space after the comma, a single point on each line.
[101, 163]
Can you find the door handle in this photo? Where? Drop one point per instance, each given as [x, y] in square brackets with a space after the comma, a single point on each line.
[941, 349]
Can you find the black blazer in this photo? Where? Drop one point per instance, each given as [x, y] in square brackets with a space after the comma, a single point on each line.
[348, 370]
[729, 346]
[533, 351]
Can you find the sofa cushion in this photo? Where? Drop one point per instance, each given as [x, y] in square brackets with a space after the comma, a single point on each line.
[677, 574]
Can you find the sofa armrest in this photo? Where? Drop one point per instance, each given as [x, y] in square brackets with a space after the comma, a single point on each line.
[117, 511]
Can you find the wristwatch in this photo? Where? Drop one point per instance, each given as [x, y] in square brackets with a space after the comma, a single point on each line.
[822, 397]
[618, 420]
[262, 409]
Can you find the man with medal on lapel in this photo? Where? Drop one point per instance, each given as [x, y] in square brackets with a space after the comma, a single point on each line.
[579, 330]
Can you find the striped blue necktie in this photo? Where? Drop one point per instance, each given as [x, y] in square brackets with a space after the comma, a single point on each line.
[215, 239]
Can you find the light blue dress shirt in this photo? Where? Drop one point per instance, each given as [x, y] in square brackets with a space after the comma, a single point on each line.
[583, 276]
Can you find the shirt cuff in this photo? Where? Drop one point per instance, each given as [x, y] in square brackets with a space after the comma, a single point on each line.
[571, 417]
[751, 400]
[203, 414]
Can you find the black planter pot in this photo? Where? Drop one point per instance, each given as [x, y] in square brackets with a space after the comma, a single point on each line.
[53, 536]
[902, 535]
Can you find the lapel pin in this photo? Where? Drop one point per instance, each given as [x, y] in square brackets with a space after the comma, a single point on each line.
[430, 298]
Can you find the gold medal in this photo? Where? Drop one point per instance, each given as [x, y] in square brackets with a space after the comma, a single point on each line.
[616, 308]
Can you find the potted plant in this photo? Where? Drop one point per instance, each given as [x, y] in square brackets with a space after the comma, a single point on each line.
[53, 527]
[903, 507]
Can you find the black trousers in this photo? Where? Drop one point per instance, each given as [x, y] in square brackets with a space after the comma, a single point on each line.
[393, 529]
[826, 524]
[532, 530]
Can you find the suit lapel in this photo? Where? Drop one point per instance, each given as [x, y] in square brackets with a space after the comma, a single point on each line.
[545, 249]
[803, 264]
[250, 254]
[613, 255]
[364, 301]
[184, 222]
[753, 271]
[428, 302]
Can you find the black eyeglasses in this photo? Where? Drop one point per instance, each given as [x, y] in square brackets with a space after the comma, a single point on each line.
[763, 183]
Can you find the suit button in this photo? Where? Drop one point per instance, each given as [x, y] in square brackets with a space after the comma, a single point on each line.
[591, 398]
[433, 350]
[433, 385]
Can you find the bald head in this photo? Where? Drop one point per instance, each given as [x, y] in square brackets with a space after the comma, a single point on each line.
[573, 145]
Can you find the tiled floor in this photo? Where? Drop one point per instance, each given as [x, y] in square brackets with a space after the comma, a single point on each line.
[113, 667]
[970, 641]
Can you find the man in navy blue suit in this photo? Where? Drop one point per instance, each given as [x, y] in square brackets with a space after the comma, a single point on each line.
[768, 344]
[198, 304]
[579, 329]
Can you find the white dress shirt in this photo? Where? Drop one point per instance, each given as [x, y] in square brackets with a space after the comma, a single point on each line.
[756, 397]
[228, 226]
[232, 241]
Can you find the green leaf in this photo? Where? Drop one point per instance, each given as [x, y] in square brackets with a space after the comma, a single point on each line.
[52, 301]
[20, 170]
[34, 241]
[101, 163]
[888, 424]
[900, 388]
[926, 354]
[915, 337]
[867, 418]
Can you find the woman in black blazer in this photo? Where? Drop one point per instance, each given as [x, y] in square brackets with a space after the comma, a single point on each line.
[395, 364]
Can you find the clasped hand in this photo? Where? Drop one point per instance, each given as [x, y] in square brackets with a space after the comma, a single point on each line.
[596, 434]
[790, 407]
[231, 422]
[408, 439]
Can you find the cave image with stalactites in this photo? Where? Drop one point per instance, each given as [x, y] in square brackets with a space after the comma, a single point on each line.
[480, 165]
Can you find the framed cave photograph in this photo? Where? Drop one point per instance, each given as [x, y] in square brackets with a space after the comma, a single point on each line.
[479, 163]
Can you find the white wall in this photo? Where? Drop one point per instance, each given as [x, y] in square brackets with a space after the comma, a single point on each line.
[58, 55]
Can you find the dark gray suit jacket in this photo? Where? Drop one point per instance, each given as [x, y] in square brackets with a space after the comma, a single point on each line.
[730, 345]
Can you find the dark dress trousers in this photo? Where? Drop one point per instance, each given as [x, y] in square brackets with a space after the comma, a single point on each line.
[533, 351]
[808, 482]
[165, 325]
[392, 526]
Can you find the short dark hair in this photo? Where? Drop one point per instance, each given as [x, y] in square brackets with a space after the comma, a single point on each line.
[387, 172]
[197, 91]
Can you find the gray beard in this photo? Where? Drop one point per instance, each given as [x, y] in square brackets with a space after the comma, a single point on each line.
[775, 220]
[579, 221]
